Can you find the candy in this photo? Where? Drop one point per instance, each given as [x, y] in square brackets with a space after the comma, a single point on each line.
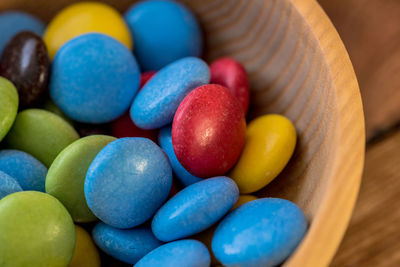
[8, 106]
[145, 77]
[157, 102]
[165, 141]
[188, 253]
[26, 64]
[208, 131]
[13, 22]
[164, 31]
[8, 185]
[94, 78]
[85, 252]
[125, 127]
[41, 134]
[231, 74]
[85, 17]
[66, 177]
[195, 208]
[29, 172]
[270, 142]
[36, 230]
[206, 236]
[262, 232]
[126, 245]
[127, 182]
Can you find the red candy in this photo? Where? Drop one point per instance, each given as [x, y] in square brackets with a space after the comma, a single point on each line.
[208, 131]
[145, 77]
[231, 74]
[124, 126]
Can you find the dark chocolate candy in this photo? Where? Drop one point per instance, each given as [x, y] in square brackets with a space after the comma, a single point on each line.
[26, 64]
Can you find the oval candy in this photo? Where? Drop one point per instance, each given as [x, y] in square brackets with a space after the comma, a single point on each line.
[8, 106]
[145, 77]
[208, 131]
[263, 232]
[13, 22]
[94, 78]
[165, 141]
[127, 182]
[125, 127]
[126, 245]
[270, 142]
[66, 177]
[231, 74]
[85, 252]
[157, 102]
[194, 208]
[41, 133]
[206, 236]
[8, 185]
[85, 17]
[164, 31]
[188, 253]
[37, 229]
[29, 172]
[25, 63]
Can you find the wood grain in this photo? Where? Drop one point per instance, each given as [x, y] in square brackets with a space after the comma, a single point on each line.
[298, 67]
[370, 30]
[372, 238]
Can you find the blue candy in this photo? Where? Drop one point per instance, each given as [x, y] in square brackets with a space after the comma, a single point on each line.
[188, 253]
[263, 232]
[29, 172]
[127, 182]
[155, 105]
[94, 78]
[8, 185]
[164, 31]
[165, 141]
[13, 22]
[125, 245]
[195, 208]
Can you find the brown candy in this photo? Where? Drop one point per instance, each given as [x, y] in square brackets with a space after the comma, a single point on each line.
[25, 63]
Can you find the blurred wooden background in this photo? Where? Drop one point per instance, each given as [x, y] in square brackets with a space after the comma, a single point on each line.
[370, 29]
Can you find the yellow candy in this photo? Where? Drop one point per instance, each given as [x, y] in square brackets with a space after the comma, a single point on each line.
[85, 253]
[83, 18]
[270, 142]
[243, 199]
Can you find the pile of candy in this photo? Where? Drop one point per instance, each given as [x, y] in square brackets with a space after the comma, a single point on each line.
[93, 133]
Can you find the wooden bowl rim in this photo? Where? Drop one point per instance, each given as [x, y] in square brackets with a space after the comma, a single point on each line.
[321, 241]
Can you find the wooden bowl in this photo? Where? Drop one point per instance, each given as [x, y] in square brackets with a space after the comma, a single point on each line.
[298, 67]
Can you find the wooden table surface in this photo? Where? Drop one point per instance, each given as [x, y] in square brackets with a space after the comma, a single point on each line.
[370, 29]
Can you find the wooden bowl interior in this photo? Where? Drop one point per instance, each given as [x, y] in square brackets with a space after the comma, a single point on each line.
[289, 74]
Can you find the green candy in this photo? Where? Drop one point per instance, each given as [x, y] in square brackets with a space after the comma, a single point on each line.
[36, 230]
[66, 176]
[41, 133]
[8, 106]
